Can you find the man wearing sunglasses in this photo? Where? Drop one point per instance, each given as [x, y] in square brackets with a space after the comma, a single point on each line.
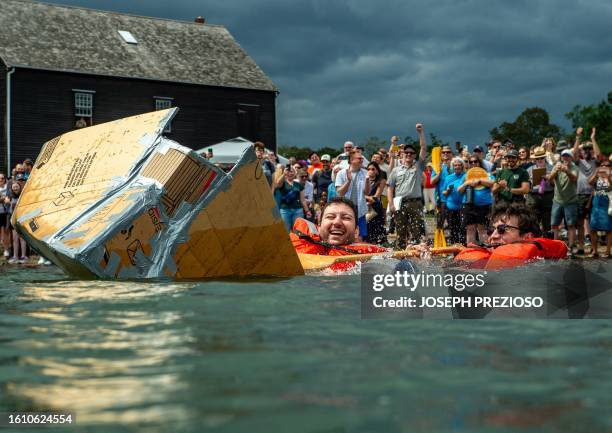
[512, 183]
[405, 195]
[439, 180]
[512, 240]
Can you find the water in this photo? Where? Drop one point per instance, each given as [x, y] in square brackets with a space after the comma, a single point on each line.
[286, 356]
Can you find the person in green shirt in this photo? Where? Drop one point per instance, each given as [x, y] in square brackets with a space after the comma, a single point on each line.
[565, 199]
[512, 183]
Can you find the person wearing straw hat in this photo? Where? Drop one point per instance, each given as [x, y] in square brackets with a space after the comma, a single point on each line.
[540, 197]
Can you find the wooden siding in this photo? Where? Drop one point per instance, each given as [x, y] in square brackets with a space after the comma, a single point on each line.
[43, 107]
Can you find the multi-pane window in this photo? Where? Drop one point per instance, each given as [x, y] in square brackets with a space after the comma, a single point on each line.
[163, 103]
[83, 104]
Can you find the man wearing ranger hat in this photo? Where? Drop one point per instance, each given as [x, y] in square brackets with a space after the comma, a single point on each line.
[512, 183]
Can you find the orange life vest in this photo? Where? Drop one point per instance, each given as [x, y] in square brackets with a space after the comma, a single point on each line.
[512, 255]
[306, 240]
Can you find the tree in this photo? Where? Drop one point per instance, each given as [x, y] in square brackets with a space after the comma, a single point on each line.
[529, 128]
[300, 153]
[597, 116]
[372, 145]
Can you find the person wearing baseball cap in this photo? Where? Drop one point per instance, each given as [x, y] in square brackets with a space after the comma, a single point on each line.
[479, 153]
[564, 175]
[321, 179]
[511, 183]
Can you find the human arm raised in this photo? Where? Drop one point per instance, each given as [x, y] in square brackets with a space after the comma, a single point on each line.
[575, 152]
[596, 150]
[422, 142]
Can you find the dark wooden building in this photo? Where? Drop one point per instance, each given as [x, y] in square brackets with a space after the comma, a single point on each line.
[64, 67]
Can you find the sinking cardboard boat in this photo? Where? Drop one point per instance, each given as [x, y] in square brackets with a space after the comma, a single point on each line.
[119, 200]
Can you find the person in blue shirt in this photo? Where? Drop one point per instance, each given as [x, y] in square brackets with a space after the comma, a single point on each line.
[454, 201]
[438, 179]
[477, 202]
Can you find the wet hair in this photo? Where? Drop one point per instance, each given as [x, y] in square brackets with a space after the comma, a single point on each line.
[341, 200]
[526, 218]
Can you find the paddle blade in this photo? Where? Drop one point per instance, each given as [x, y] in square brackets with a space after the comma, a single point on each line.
[436, 158]
[439, 239]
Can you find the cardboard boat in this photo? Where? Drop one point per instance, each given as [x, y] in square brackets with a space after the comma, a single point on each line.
[119, 200]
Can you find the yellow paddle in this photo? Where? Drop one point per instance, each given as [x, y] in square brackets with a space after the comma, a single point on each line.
[313, 262]
[436, 161]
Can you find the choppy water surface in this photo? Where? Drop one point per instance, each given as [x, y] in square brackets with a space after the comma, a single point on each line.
[286, 356]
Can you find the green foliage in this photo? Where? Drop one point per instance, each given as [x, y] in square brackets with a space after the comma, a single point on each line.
[597, 116]
[529, 128]
[299, 153]
[372, 144]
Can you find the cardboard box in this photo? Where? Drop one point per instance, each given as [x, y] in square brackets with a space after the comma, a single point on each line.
[119, 200]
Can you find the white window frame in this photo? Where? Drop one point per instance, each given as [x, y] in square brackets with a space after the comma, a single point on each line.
[83, 103]
[163, 103]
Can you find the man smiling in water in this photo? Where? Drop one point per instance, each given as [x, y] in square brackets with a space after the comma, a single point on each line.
[336, 235]
[338, 223]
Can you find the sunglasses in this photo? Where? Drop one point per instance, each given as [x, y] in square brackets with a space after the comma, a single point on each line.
[446, 151]
[473, 162]
[501, 229]
[303, 177]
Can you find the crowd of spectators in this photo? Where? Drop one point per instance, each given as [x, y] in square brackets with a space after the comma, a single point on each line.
[567, 188]
[15, 249]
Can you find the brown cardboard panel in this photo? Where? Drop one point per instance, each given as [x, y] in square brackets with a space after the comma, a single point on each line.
[184, 178]
[248, 227]
[133, 238]
[81, 167]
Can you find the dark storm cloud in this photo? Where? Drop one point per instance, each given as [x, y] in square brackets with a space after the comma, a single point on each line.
[353, 69]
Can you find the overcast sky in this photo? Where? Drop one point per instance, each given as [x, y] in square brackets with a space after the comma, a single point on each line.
[355, 69]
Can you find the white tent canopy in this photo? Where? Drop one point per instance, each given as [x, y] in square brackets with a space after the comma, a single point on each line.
[228, 152]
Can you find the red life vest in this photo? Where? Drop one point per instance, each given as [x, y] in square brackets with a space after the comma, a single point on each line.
[306, 240]
[512, 255]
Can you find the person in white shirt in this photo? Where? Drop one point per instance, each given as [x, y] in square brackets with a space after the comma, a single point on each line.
[350, 184]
